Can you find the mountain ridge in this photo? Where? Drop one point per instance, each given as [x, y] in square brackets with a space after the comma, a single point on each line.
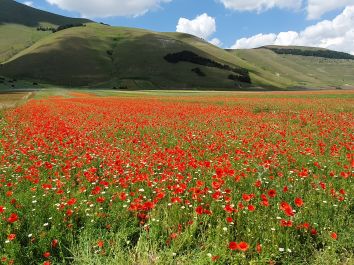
[12, 12]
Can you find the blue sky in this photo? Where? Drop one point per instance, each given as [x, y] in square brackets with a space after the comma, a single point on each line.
[233, 19]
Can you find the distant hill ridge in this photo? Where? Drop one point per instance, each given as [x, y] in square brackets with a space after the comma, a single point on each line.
[324, 53]
[17, 13]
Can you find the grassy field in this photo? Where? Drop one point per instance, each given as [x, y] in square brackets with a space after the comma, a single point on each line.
[18, 38]
[177, 177]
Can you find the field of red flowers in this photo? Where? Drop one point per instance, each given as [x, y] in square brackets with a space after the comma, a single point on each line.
[233, 179]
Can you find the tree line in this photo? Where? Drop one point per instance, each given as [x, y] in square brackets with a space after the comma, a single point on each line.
[62, 27]
[315, 53]
[240, 74]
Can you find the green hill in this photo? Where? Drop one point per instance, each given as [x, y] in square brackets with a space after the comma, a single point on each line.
[302, 66]
[12, 12]
[100, 55]
[19, 23]
[88, 54]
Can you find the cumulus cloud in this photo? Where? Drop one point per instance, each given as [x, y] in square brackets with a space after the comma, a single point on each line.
[260, 5]
[254, 41]
[28, 3]
[216, 42]
[108, 8]
[336, 34]
[316, 8]
[202, 26]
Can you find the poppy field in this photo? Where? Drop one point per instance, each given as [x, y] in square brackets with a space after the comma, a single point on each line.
[233, 178]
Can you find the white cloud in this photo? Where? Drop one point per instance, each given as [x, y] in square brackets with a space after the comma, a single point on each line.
[336, 34]
[202, 26]
[28, 3]
[254, 41]
[216, 42]
[286, 38]
[316, 8]
[260, 5]
[108, 8]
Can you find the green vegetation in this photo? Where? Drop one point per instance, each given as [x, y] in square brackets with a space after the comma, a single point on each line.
[187, 56]
[18, 38]
[21, 26]
[14, 85]
[68, 26]
[312, 52]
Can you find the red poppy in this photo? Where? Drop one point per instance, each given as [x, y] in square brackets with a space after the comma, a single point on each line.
[12, 218]
[334, 235]
[299, 202]
[258, 183]
[55, 243]
[272, 193]
[286, 223]
[11, 237]
[228, 208]
[72, 201]
[123, 196]
[216, 185]
[286, 208]
[199, 210]
[247, 197]
[243, 246]
[265, 203]
[100, 243]
[229, 219]
[69, 212]
[259, 248]
[251, 208]
[233, 245]
[100, 199]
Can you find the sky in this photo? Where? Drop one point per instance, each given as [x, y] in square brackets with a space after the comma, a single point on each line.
[226, 23]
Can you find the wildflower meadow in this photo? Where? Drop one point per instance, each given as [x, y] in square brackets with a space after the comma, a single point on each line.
[172, 179]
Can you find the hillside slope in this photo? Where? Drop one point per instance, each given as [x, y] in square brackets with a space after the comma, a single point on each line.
[12, 12]
[100, 55]
[299, 68]
[18, 26]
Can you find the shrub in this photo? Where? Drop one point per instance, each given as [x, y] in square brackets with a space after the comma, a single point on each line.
[191, 57]
[198, 71]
